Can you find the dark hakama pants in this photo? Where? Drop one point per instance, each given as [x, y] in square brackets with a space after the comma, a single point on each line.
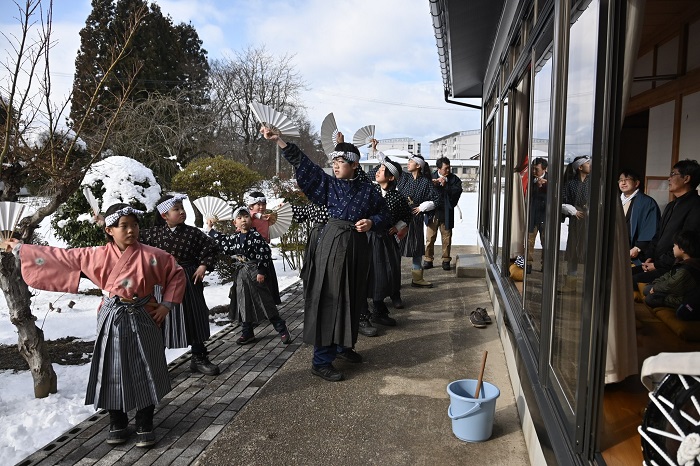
[413, 244]
[128, 368]
[336, 289]
[193, 312]
[385, 266]
[254, 301]
[174, 335]
[311, 244]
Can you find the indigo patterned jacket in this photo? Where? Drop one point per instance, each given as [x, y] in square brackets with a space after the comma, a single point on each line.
[250, 245]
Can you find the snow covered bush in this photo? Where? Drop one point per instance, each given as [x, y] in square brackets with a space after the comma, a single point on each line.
[112, 180]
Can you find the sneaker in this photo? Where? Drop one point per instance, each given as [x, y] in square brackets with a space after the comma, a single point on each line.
[427, 265]
[383, 319]
[145, 439]
[117, 436]
[200, 363]
[445, 266]
[484, 315]
[328, 373]
[366, 328]
[350, 355]
[286, 337]
[476, 320]
[245, 339]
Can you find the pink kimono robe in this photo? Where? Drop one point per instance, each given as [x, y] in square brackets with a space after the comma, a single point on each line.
[128, 368]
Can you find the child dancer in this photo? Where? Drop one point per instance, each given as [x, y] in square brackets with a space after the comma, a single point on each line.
[417, 187]
[257, 205]
[255, 290]
[384, 249]
[338, 270]
[196, 253]
[128, 369]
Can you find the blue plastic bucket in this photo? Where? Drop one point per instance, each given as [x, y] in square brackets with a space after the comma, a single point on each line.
[472, 419]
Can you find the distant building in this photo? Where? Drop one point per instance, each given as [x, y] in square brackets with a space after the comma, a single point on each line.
[405, 144]
[460, 145]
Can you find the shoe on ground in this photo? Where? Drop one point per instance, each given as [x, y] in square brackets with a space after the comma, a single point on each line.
[397, 303]
[367, 329]
[286, 337]
[445, 266]
[350, 355]
[117, 435]
[483, 313]
[476, 320]
[145, 439]
[245, 339]
[328, 373]
[427, 264]
[383, 319]
[200, 363]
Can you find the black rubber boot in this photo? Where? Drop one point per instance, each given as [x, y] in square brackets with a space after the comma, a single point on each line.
[118, 427]
[145, 437]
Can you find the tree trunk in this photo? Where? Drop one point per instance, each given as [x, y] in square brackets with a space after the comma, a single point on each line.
[30, 339]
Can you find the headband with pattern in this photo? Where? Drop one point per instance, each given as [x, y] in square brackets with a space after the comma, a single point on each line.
[239, 210]
[250, 200]
[349, 156]
[393, 167]
[165, 206]
[578, 162]
[418, 159]
[112, 218]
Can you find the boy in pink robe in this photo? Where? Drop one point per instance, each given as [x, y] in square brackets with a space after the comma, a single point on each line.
[128, 369]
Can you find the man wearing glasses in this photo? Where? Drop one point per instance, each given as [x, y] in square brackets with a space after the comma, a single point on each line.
[683, 213]
[642, 214]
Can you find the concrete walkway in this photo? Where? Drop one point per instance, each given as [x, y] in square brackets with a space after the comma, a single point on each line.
[267, 408]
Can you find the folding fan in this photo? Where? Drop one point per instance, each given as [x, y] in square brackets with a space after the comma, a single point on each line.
[10, 214]
[94, 204]
[270, 117]
[363, 135]
[214, 207]
[329, 133]
[284, 219]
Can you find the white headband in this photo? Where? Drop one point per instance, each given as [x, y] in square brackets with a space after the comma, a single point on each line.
[249, 200]
[349, 156]
[239, 210]
[418, 159]
[113, 217]
[165, 206]
[393, 169]
[577, 163]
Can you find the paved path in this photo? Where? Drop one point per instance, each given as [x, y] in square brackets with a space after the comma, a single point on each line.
[266, 408]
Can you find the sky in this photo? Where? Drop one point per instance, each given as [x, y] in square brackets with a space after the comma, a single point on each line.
[370, 62]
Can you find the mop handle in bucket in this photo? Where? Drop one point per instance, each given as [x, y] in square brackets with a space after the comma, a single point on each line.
[481, 376]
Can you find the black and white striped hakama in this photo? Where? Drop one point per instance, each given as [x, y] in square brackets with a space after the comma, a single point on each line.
[336, 288]
[385, 266]
[128, 369]
[174, 335]
[254, 301]
[193, 312]
[413, 244]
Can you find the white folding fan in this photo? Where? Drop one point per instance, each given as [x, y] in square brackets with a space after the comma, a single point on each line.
[329, 133]
[213, 207]
[268, 116]
[284, 220]
[363, 135]
[94, 204]
[10, 214]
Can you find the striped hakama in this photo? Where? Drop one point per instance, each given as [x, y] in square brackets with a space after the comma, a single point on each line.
[385, 270]
[254, 300]
[128, 369]
[336, 288]
[194, 310]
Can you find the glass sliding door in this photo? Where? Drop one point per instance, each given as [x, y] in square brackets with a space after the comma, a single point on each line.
[576, 180]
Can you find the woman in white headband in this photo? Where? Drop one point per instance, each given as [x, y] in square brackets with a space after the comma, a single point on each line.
[418, 189]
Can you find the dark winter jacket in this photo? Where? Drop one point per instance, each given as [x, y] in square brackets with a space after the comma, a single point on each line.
[683, 277]
[681, 214]
[449, 197]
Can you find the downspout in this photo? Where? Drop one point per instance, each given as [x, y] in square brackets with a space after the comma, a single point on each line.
[437, 11]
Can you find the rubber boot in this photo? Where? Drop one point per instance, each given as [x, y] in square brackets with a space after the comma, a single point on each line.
[418, 281]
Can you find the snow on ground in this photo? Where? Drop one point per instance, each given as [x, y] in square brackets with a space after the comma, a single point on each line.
[30, 423]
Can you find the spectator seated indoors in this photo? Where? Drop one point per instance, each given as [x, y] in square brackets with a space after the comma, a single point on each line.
[672, 288]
